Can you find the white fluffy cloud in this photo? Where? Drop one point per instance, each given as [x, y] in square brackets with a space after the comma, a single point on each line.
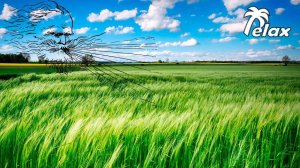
[156, 17]
[202, 30]
[295, 2]
[238, 17]
[279, 11]
[82, 30]
[188, 43]
[7, 12]
[48, 31]
[106, 14]
[239, 14]
[2, 32]
[170, 44]
[224, 40]
[6, 48]
[232, 4]
[234, 23]
[125, 14]
[232, 28]
[119, 30]
[101, 17]
[41, 14]
[68, 30]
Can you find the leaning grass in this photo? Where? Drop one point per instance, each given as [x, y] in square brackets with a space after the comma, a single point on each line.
[200, 119]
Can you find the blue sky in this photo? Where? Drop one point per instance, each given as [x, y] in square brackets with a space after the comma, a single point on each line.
[184, 30]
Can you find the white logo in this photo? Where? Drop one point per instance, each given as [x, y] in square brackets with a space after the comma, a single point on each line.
[262, 15]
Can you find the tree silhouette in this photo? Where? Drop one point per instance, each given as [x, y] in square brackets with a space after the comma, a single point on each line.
[42, 58]
[286, 59]
[14, 58]
[87, 60]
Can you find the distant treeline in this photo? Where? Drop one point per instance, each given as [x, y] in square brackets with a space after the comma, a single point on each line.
[14, 58]
[247, 62]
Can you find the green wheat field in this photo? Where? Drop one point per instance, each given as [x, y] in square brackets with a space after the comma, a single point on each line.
[191, 116]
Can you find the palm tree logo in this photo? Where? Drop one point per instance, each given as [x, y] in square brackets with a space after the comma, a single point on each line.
[262, 15]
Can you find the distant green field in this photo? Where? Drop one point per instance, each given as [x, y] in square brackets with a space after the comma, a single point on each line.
[191, 116]
[24, 70]
[181, 68]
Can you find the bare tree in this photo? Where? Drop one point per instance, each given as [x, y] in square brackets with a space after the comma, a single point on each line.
[26, 56]
[42, 58]
[286, 59]
[87, 60]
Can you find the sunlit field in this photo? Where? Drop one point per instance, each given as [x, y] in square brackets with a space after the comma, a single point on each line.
[191, 116]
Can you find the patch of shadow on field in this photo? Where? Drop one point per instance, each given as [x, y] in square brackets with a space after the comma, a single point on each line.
[14, 82]
[165, 78]
[137, 84]
[141, 84]
[8, 76]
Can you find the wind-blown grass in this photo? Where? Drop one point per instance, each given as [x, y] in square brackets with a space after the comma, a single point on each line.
[207, 118]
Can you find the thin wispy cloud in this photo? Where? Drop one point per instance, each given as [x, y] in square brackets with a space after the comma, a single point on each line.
[188, 43]
[185, 34]
[203, 30]
[119, 30]
[224, 40]
[279, 11]
[285, 47]
[6, 48]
